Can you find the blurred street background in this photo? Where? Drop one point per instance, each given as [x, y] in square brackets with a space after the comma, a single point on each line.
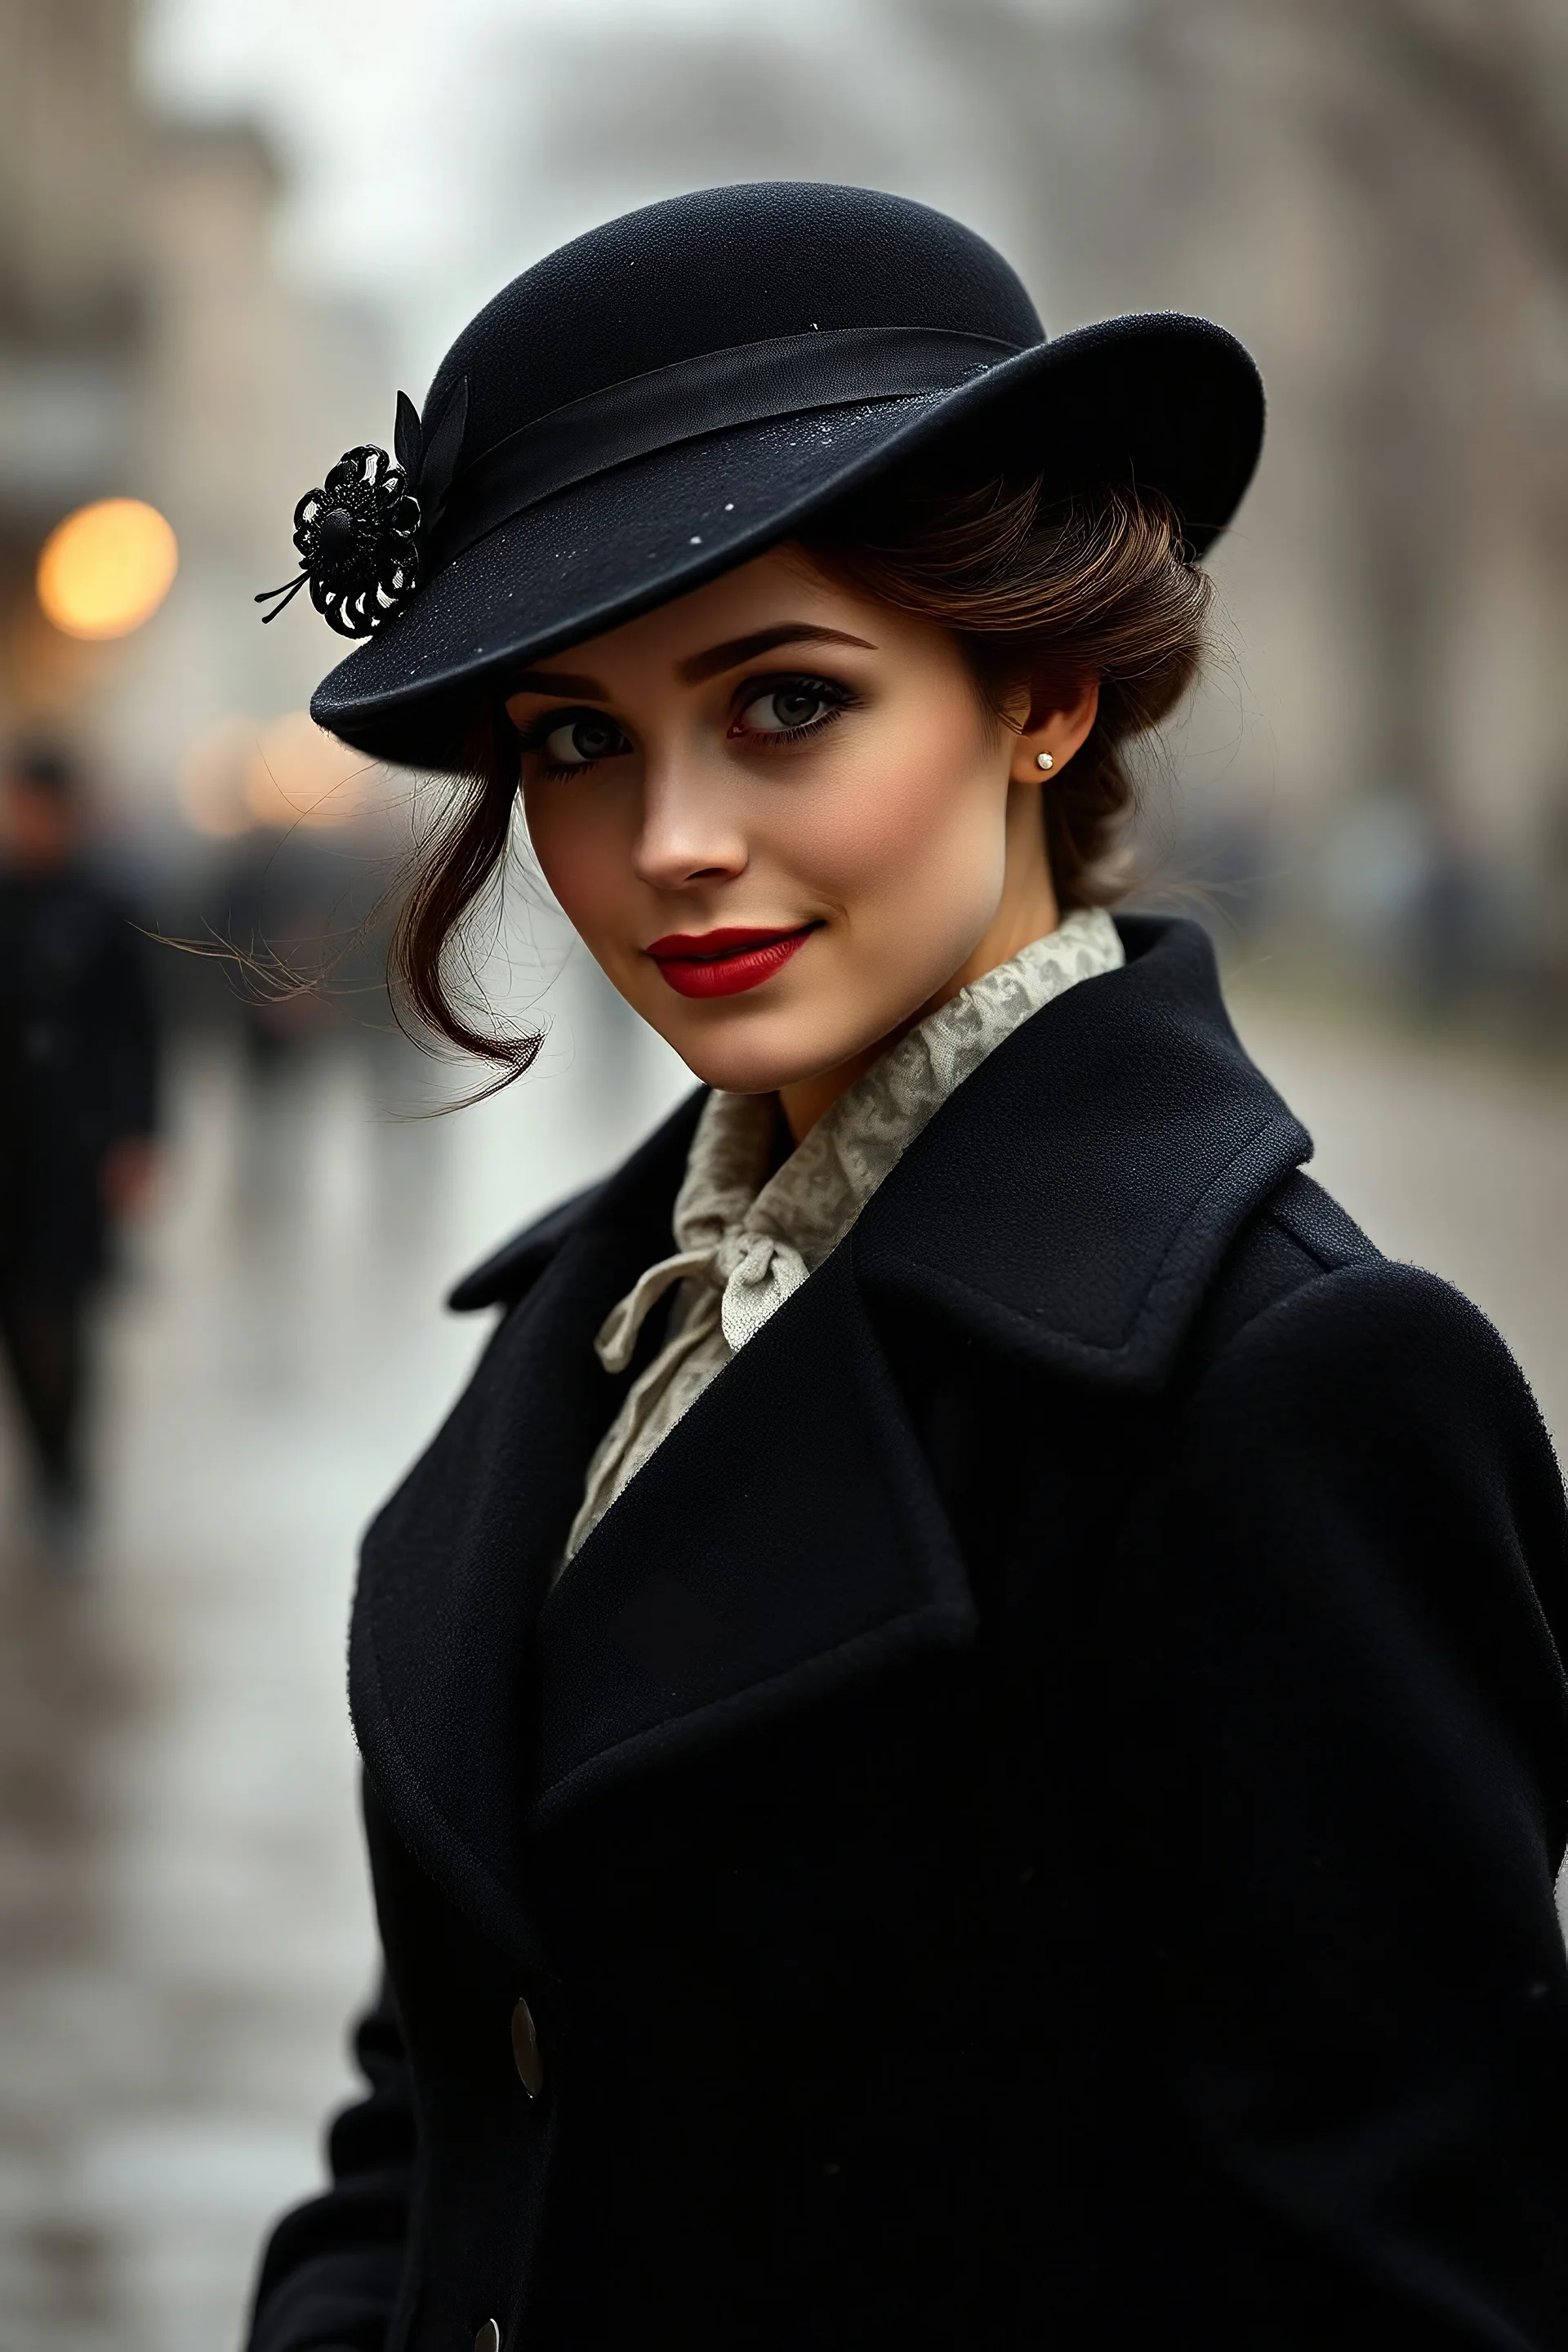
[228, 232]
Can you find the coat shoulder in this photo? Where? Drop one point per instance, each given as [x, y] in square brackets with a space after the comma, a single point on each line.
[1368, 1432]
[1314, 1342]
[1302, 1287]
[1295, 1236]
[636, 1200]
[512, 1271]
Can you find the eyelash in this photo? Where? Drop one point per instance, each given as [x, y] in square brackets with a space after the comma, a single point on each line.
[838, 699]
[534, 737]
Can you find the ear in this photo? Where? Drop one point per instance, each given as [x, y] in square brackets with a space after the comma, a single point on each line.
[1055, 727]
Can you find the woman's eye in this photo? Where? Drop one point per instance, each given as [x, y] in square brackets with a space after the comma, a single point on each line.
[783, 708]
[578, 743]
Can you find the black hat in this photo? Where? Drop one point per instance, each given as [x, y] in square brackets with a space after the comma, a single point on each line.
[677, 391]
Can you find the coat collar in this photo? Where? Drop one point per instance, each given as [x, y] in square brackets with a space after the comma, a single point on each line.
[1066, 1206]
[1069, 1202]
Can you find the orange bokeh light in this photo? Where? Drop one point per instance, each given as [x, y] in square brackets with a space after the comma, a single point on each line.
[299, 775]
[278, 773]
[107, 568]
[211, 782]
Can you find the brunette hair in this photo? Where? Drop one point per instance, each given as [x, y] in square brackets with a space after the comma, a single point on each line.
[1042, 596]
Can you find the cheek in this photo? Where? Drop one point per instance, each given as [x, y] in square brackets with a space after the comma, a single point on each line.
[918, 800]
[580, 840]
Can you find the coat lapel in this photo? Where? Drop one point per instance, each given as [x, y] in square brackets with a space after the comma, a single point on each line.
[454, 1567]
[1067, 1205]
[786, 1535]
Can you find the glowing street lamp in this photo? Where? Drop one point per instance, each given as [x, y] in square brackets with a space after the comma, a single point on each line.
[107, 568]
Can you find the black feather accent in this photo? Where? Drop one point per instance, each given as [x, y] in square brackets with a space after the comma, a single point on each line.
[408, 437]
[443, 447]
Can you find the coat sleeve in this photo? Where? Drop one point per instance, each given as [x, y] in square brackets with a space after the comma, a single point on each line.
[1340, 1788]
[331, 2274]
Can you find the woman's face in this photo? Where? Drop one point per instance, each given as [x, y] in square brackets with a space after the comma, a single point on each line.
[780, 818]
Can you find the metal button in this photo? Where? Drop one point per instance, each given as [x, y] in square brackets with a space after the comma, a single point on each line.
[489, 2337]
[529, 2073]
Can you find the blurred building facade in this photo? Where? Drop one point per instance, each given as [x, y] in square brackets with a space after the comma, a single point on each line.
[70, 302]
[150, 347]
[1374, 194]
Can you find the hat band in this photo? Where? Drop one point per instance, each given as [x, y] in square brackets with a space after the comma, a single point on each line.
[746, 383]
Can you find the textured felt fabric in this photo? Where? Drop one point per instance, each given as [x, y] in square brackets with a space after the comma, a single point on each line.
[1169, 402]
[1061, 1855]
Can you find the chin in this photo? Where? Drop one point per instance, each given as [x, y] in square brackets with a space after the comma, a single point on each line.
[735, 1067]
[742, 1056]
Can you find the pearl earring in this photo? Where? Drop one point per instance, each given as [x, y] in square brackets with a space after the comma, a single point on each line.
[1044, 760]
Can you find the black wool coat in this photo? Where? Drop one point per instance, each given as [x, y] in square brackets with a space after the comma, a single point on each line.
[78, 1069]
[1031, 1824]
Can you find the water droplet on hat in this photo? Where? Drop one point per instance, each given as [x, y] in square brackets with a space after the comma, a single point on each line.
[696, 540]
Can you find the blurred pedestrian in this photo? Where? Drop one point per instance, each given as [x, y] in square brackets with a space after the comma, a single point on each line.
[964, 1731]
[78, 1111]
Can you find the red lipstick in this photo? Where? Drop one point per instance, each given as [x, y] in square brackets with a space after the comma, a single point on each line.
[722, 963]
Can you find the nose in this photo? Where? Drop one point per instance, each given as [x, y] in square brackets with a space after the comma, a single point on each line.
[690, 829]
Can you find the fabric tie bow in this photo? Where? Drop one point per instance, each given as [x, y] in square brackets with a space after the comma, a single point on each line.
[747, 1277]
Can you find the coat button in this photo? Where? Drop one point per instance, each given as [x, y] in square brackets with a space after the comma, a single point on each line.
[489, 2337]
[529, 2073]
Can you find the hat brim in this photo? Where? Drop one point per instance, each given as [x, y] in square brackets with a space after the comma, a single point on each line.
[1173, 404]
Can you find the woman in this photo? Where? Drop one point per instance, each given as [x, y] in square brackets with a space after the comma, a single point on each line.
[962, 1742]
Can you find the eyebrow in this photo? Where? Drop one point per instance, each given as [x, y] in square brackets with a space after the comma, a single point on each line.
[697, 667]
[717, 659]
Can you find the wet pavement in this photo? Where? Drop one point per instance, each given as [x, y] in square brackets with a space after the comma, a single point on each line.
[184, 1923]
[183, 1920]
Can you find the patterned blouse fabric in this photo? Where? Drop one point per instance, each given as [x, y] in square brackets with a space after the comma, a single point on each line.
[746, 1240]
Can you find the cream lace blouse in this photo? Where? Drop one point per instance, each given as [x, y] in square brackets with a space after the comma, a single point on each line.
[745, 1244]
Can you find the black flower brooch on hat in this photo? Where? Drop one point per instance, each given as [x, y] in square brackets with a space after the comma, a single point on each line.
[362, 534]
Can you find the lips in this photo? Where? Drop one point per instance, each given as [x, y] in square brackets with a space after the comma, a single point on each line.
[722, 963]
